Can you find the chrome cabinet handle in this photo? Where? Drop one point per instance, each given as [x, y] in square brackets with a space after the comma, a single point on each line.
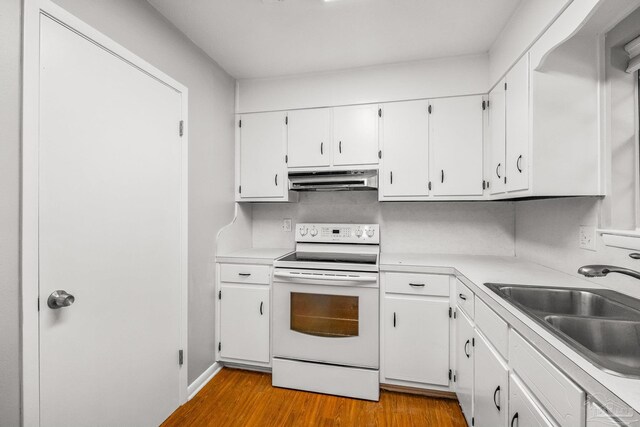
[244, 274]
[498, 170]
[417, 285]
[261, 305]
[463, 297]
[494, 398]
[322, 148]
[394, 319]
[466, 346]
[60, 299]
[518, 163]
[340, 146]
[513, 419]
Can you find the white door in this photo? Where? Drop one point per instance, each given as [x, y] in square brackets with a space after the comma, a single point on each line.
[464, 364]
[517, 129]
[524, 411]
[491, 379]
[416, 339]
[456, 146]
[263, 171]
[355, 135]
[405, 149]
[244, 322]
[309, 137]
[497, 141]
[109, 234]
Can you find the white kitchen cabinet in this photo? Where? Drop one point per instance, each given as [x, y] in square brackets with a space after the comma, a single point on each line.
[404, 142]
[244, 323]
[524, 411]
[491, 380]
[309, 138]
[262, 150]
[517, 126]
[455, 140]
[497, 138]
[464, 364]
[355, 135]
[416, 339]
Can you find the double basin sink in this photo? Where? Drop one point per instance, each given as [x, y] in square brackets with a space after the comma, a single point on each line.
[602, 325]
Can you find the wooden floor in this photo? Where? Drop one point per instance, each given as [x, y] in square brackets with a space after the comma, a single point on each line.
[244, 398]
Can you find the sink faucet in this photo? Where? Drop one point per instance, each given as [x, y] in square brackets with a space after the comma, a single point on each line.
[602, 270]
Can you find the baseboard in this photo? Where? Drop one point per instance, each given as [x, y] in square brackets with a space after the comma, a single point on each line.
[203, 379]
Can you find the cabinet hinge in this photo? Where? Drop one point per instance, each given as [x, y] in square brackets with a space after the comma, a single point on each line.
[286, 158]
[473, 342]
[240, 123]
[379, 112]
[429, 186]
[484, 105]
[286, 120]
[429, 109]
[488, 103]
[505, 179]
[38, 304]
[219, 294]
[180, 357]
[380, 154]
[450, 316]
[181, 127]
[240, 189]
[455, 314]
[505, 85]
[219, 346]
[473, 421]
[450, 375]
[484, 184]
[455, 377]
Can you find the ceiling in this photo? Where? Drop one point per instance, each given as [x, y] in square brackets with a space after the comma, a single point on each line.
[266, 38]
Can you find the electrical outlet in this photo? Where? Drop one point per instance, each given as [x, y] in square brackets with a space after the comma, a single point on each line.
[286, 224]
[587, 237]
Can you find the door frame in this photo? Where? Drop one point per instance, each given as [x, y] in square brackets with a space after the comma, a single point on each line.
[29, 274]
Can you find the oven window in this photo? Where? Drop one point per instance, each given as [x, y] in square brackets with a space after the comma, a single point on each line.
[334, 316]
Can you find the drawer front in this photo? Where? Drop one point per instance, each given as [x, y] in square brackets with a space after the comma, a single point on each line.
[493, 327]
[245, 273]
[417, 284]
[523, 408]
[465, 298]
[557, 393]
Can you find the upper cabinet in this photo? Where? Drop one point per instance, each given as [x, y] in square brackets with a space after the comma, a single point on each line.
[497, 147]
[517, 126]
[456, 146]
[355, 135]
[404, 141]
[309, 136]
[261, 168]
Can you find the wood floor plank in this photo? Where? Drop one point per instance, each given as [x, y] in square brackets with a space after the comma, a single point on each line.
[244, 398]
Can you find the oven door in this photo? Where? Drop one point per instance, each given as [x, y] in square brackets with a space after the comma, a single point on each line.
[326, 317]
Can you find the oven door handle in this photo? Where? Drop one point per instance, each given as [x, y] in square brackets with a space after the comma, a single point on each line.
[368, 279]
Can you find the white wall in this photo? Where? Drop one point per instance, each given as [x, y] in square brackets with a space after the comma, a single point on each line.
[425, 227]
[140, 28]
[10, 88]
[465, 75]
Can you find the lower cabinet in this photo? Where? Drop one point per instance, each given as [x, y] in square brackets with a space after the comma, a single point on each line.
[417, 339]
[244, 322]
[491, 380]
[464, 364]
[524, 411]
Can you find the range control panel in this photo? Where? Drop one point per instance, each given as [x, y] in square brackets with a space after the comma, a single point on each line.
[338, 233]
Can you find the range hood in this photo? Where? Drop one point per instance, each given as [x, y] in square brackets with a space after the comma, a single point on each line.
[334, 180]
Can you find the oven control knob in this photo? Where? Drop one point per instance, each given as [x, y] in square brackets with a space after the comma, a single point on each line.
[370, 232]
[303, 231]
[358, 232]
[314, 232]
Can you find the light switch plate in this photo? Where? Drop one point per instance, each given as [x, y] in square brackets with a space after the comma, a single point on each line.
[286, 224]
[587, 237]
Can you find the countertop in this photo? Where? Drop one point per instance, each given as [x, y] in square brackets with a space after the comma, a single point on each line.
[264, 256]
[474, 271]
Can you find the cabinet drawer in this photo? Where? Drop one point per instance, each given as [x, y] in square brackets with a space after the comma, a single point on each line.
[244, 273]
[557, 393]
[417, 284]
[493, 327]
[465, 298]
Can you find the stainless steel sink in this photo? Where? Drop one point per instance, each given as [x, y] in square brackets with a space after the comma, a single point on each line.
[602, 325]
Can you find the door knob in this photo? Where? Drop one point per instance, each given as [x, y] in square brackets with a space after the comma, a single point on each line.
[59, 299]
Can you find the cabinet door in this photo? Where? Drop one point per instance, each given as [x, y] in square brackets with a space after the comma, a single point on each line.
[309, 137]
[497, 138]
[262, 152]
[355, 135]
[416, 338]
[456, 146]
[491, 380]
[464, 364]
[405, 149]
[524, 411]
[517, 107]
[244, 322]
